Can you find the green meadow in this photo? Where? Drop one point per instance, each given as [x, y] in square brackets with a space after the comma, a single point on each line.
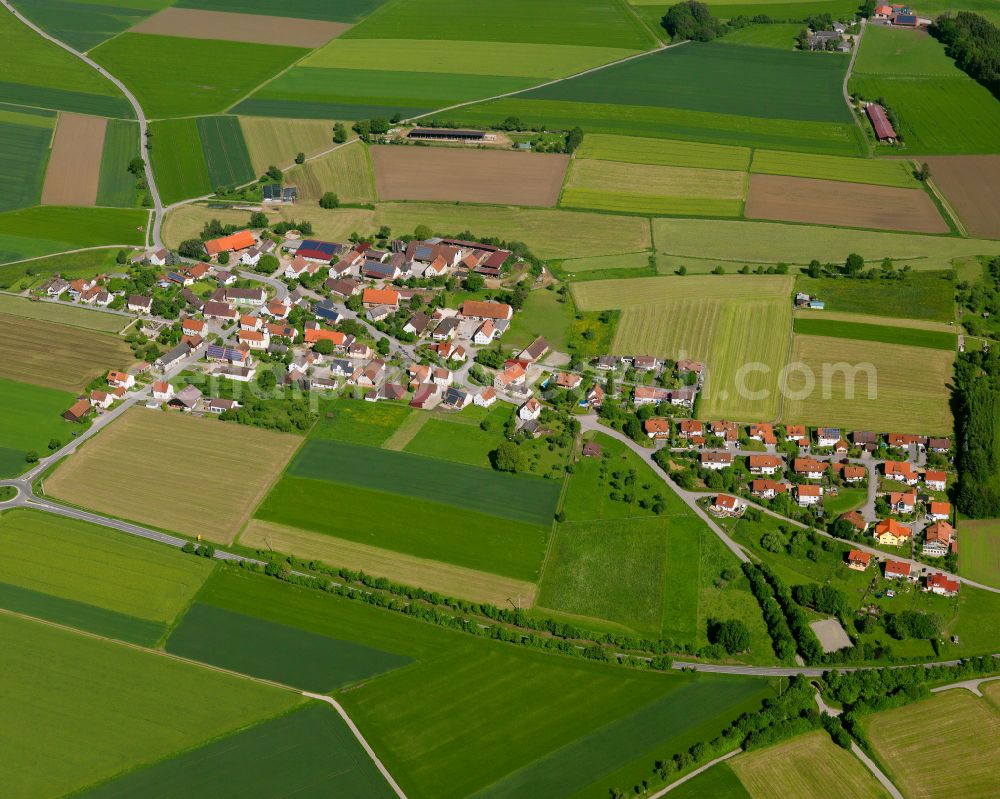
[275, 652]
[923, 295]
[43, 230]
[146, 707]
[206, 76]
[868, 332]
[310, 752]
[834, 167]
[121, 145]
[358, 422]
[24, 152]
[30, 417]
[84, 24]
[178, 159]
[226, 154]
[663, 152]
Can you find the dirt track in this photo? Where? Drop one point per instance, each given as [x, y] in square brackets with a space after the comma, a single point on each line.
[479, 176]
[971, 183]
[74, 169]
[832, 202]
[194, 24]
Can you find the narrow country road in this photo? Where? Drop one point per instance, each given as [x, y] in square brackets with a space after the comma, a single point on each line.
[154, 192]
[846, 92]
[693, 774]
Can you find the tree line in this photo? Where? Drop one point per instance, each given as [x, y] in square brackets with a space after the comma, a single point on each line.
[974, 42]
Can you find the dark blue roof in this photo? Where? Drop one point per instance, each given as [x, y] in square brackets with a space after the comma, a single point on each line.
[325, 248]
[376, 268]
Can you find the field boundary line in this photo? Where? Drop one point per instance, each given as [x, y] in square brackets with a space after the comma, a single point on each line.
[361, 740]
[947, 206]
[658, 49]
[693, 774]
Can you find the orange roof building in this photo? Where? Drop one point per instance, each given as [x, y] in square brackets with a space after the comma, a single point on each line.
[240, 240]
[375, 297]
[476, 309]
[319, 334]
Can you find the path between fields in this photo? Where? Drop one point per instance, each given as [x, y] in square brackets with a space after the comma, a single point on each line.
[659, 48]
[847, 94]
[154, 192]
[361, 740]
[693, 774]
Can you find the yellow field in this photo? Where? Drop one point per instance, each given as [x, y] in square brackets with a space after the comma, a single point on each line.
[187, 221]
[58, 356]
[945, 746]
[549, 233]
[346, 171]
[884, 321]
[655, 181]
[808, 767]
[599, 295]
[174, 471]
[909, 385]
[671, 329]
[749, 350]
[666, 152]
[456, 581]
[276, 142]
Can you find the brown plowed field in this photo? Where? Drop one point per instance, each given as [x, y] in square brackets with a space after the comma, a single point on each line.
[477, 176]
[972, 185]
[194, 24]
[832, 202]
[75, 165]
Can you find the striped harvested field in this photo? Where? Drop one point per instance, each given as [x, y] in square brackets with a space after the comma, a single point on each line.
[434, 575]
[142, 464]
[663, 152]
[871, 319]
[276, 142]
[624, 203]
[835, 167]
[671, 329]
[599, 295]
[862, 385]
[75, 164]
[347, 171]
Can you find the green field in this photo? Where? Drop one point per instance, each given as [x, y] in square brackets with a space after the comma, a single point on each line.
[341, 11]
[460, 439]
[71, 315]
[84, 24]
[206, 76]
[327, 93]
[717, 781]
[663, 152]
[275, 652]
[121, 145]
[37, 73]
[923, 295]
[178, 160]
[781, 36]
[694, 240]
[980, 553]
[893, 51]
[347, 171]
[597, 23]
[145, 706]
[599, 116]
[358, 422]
[445, 532]
[717, 78]
[24, 152]
[30, 417]
[307, 753]
[523, 499]
[833, 167]
[225, 151]
[858, 331]
[31, 232]
[598, 295]
[542, 315]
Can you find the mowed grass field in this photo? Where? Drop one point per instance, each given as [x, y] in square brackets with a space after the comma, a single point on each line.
[774, 242]
[206, 76]
[68, 315]
[141, 465]
[90, 567]
[967, 734]
[347, 171]
[653, 189]
[38, 73]
[31, 232]
[868, 385]
[599, 295]
[866, 331]
[30, 417]
[346, 419]
[57, 356]
[178, 159]
[981, 550]
[25, 139]
[145, 706]
[308, 752]
[121, 144]
[225, 151]
[807, 767]
[663, 152]
[276, 142]
[834, 167]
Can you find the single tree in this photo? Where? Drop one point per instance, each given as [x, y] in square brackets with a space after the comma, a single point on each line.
[300, 158]
[329, 200]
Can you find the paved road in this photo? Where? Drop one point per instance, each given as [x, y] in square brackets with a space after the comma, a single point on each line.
[968, 685]
[139, 114]
[876, 771]
[693, 774]
[590, 422]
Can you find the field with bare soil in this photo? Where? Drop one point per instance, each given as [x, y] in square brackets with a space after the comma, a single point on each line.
[196, 476]
[478, 176]
[831, 202]
[75, 164]
[196, 24]
[971, 183]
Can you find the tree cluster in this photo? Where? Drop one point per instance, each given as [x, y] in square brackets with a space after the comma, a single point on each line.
[976, 399]
[974, 42]
[692, 20]
[822, 598]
